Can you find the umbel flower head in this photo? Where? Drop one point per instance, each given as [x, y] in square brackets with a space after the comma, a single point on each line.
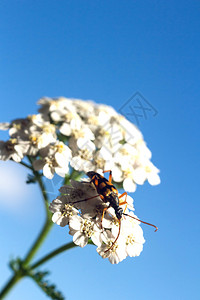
[72, 133]
[91, 218]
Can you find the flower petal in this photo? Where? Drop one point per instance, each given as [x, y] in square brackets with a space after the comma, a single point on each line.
[80, 239]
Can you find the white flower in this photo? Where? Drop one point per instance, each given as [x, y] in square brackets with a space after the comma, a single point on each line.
[72, 123]
[82, 155]
[134, 241]
[84, 108]
[128, 182]
[13, 149]
[114, 252]
[126, 155]
[50, 105]
[55, 158]
[19, 128]
[105, 113]
[143, 151]
[102, 160]
[62, 213]
[97, 138]
[131, 133]
[22, 128]
[129, 185]
[40, 137]
[64, 112]
[100, 139]
[4, 126]
[146, 171]
[83, 135]
[121, 239]
[84, 229]
[108, 136]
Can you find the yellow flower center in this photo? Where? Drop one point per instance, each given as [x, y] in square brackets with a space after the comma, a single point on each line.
[93, 120]
[114, 247]
[85, 154]
[17, 126]
[148, 169]
[67, 211]
[48, 128]
[78, 133]
[32, 117]
[100, 162]
[60, 147]
[34, 139]
[55, 103]
[87, 228]
[13, 141]
[130, 240]
[127, 173]
[69, 116]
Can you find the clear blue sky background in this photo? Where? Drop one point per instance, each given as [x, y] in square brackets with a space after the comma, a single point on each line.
[106, 51]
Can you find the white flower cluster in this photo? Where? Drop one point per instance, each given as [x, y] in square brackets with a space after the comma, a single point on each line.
[84, 135]
[81, 209]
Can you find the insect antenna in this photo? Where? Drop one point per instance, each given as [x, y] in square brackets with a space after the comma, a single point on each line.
[156, 228]
[115, 239]
[74, 202]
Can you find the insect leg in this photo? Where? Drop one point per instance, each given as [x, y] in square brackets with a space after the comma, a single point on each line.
[110, 175]
[122, 195]
[124, 202]
[104, 210]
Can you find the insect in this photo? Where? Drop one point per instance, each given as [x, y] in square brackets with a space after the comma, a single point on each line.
[109, 194]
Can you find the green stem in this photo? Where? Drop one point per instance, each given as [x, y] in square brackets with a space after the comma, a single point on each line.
[41, 237]
[47, 225]
[54, 253]
[39, 241]
[25, 165]
[75, 175]
[13, 280]
[38, 177]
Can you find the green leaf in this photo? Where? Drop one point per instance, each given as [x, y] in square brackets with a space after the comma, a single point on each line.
[31, 179]
[48, 288]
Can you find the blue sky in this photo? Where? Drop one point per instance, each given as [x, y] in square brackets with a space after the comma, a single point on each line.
[107, 51]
